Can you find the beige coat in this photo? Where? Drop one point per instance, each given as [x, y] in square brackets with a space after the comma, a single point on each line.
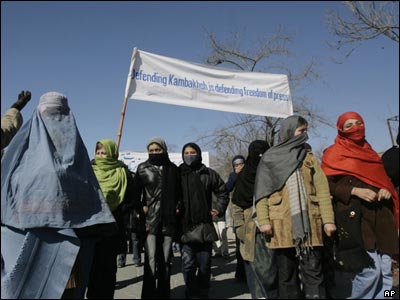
[245, 231]
[10, 123]
[275, 210]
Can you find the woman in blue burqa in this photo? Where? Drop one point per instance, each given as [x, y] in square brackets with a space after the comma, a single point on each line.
[52, 208]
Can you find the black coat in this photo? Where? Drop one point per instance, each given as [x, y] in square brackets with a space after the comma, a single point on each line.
[148, 183]
[121, 215]
[390, 160]
[361, 226]
[212, 184]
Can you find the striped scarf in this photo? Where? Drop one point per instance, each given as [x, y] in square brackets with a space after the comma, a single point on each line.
[301, 229]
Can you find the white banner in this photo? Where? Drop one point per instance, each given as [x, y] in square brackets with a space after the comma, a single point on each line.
[132, 159]
[172, 81]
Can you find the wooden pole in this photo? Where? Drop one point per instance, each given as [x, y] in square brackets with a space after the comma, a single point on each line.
[121, 121]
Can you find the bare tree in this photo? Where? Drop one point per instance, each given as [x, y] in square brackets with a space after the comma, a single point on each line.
[368, 20]
[263, 56]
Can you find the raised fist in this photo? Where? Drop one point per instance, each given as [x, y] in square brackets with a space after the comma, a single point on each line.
[23, 99]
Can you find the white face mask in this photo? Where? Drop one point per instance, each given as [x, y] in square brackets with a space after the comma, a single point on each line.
[189, 159]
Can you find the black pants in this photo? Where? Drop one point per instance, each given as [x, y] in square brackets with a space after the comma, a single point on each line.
[311, 274]
[103, 274]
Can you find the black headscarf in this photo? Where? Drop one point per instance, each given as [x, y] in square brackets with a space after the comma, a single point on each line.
[280, 161]
[243, 195]
[197, 163]
[194, 194]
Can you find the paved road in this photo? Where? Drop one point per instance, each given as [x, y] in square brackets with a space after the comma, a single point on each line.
[223, 283]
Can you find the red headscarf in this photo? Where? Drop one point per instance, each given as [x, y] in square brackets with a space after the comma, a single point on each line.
[352, 155]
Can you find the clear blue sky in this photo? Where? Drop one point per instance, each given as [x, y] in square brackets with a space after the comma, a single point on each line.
[83, 50]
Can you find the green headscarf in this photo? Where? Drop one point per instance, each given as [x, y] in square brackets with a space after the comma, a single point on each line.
[111, 174]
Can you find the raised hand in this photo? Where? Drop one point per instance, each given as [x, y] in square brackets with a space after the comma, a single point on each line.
[23, 99]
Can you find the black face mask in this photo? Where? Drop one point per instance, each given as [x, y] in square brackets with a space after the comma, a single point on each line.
[158, 159]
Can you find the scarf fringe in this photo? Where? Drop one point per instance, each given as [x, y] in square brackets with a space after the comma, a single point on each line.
[303, 247]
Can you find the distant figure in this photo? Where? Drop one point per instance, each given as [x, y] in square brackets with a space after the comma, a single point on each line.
[293, 209]
[134, 233]
[12, 120]
[237, 165]
[220, 246]
[138, 235]
[52, 208]
[364, 201]
[259, 261]
[198, 185]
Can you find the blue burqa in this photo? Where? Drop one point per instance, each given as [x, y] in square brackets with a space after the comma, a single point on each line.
[48, 188]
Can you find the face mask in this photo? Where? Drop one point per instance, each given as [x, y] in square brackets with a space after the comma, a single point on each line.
[189, 159]
[158, 159]
[355, 133]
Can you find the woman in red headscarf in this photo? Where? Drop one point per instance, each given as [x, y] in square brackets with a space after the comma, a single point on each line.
[365, 203]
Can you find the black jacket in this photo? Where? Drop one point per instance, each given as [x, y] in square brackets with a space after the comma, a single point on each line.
[212, 184]
[121, 214]
[148, 183]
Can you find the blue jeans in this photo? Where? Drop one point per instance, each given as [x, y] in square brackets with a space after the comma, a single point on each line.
[371, 283]
[196, 258]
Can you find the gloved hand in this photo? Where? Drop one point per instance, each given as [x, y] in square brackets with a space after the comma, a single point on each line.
[23, 99]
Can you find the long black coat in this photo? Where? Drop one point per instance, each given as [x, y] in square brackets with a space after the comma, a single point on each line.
[148, 182]
[212, 184]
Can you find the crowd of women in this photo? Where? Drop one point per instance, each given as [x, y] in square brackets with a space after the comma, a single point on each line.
[304, 229]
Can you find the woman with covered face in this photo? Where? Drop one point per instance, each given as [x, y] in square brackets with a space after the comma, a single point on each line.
[198, 184]
[293, 209]
[259, 261]
[52, 207]
[116, 183]
[157, 193]
[364, 201]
